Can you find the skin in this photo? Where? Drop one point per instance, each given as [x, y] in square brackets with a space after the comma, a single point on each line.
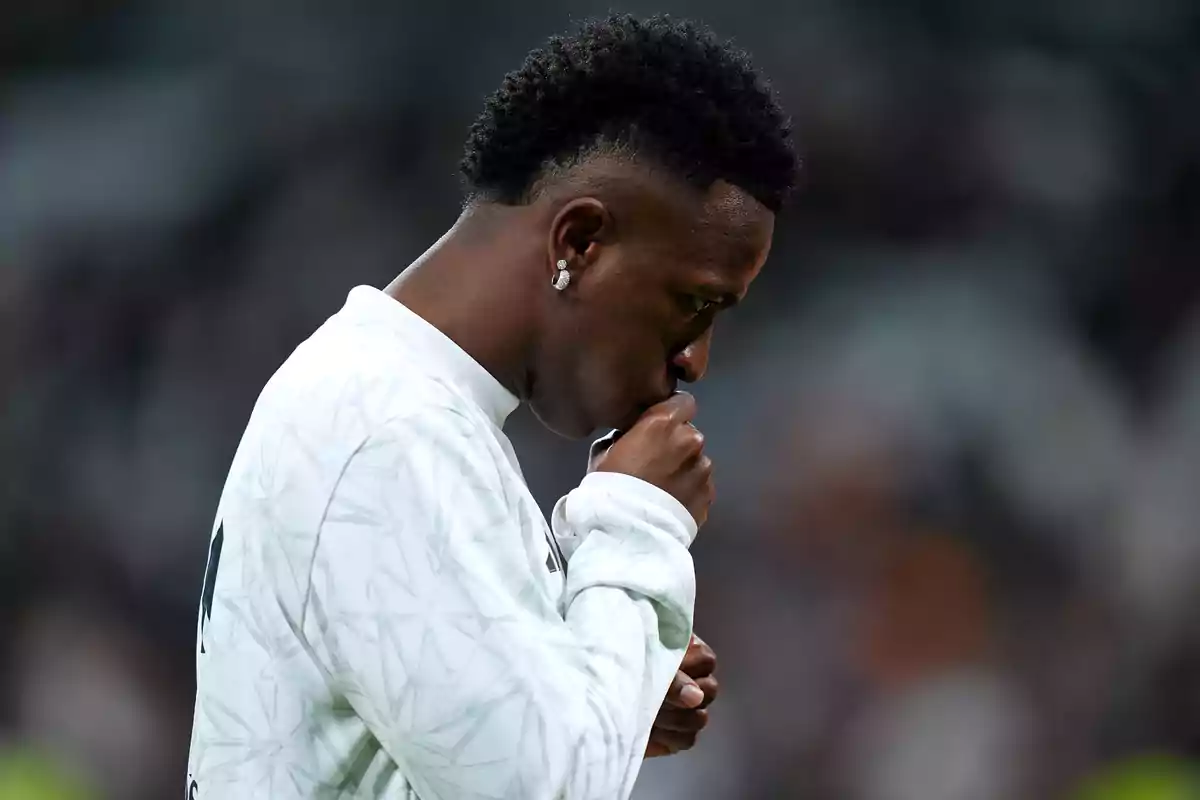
[653, 262]
[684, 713]
[645, 252]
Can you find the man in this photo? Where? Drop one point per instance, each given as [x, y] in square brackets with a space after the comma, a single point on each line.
[386, 613]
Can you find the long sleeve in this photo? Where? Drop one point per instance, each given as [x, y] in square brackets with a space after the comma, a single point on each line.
[427, 616]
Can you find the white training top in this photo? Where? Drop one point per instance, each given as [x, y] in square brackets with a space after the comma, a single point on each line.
[387, 614]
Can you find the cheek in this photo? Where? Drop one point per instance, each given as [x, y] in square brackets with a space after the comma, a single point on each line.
[621, 355]
[631, 366]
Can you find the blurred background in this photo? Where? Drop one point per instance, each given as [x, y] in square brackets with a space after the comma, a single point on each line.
[956, 425]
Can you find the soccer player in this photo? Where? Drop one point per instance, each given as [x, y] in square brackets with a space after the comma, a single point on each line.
[386, 612]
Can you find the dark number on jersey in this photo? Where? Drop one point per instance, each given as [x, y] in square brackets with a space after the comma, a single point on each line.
[210, 580]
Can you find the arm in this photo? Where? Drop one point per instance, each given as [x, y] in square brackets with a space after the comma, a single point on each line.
[684, 712]
[427, 615]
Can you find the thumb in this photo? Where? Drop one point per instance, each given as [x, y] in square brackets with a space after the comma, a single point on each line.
[685, 693]
[692, 695]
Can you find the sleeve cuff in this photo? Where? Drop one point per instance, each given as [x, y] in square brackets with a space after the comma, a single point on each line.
[599, 490]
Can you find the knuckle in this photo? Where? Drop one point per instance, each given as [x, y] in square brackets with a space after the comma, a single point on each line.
[657, 422]
[688, 439]
[700, 660]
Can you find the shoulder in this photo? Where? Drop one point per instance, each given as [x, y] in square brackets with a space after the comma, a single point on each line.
[348, 386]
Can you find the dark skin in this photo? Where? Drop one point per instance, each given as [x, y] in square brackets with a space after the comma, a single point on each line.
[684, 713]
[653, 261]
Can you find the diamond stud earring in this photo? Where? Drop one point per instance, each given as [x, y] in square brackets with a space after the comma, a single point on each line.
[563, 277]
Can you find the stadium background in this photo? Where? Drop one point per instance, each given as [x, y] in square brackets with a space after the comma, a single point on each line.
[956, 425]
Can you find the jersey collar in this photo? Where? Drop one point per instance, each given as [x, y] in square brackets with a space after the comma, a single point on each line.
[441, 353]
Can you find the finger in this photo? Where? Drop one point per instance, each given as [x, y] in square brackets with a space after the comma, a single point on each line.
[679, 408]
[690, 441]
[672, 741]
[656, 749]
[711, 689]
[699, 661]
[681, 720]
[684, 693]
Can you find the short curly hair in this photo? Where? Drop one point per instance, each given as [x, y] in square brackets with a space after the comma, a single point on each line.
[660, 88]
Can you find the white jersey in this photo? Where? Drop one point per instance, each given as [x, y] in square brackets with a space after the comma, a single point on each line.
[387, 614]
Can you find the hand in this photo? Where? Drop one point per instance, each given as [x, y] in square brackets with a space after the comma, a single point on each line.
[685, 711]
[665, 449]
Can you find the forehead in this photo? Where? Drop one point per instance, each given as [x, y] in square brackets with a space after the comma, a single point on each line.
[733, 220]
[729, 240]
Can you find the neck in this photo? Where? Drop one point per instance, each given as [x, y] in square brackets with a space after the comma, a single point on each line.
[472, 286]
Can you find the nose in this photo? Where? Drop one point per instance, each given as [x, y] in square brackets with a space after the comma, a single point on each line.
[692, 361]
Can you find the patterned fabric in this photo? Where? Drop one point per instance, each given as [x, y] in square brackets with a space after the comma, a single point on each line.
[385, 614]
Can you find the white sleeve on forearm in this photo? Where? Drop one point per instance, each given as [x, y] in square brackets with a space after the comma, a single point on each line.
[427, 615]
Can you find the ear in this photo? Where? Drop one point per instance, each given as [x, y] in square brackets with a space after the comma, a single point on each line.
[579, 231]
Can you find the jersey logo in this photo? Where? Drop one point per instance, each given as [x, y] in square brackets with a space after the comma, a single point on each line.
[210, 580]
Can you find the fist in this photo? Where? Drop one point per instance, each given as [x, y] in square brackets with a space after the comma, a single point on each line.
[663, 448]
[684, 713]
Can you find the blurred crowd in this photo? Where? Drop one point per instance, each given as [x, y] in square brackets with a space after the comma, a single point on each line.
[956, 425]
